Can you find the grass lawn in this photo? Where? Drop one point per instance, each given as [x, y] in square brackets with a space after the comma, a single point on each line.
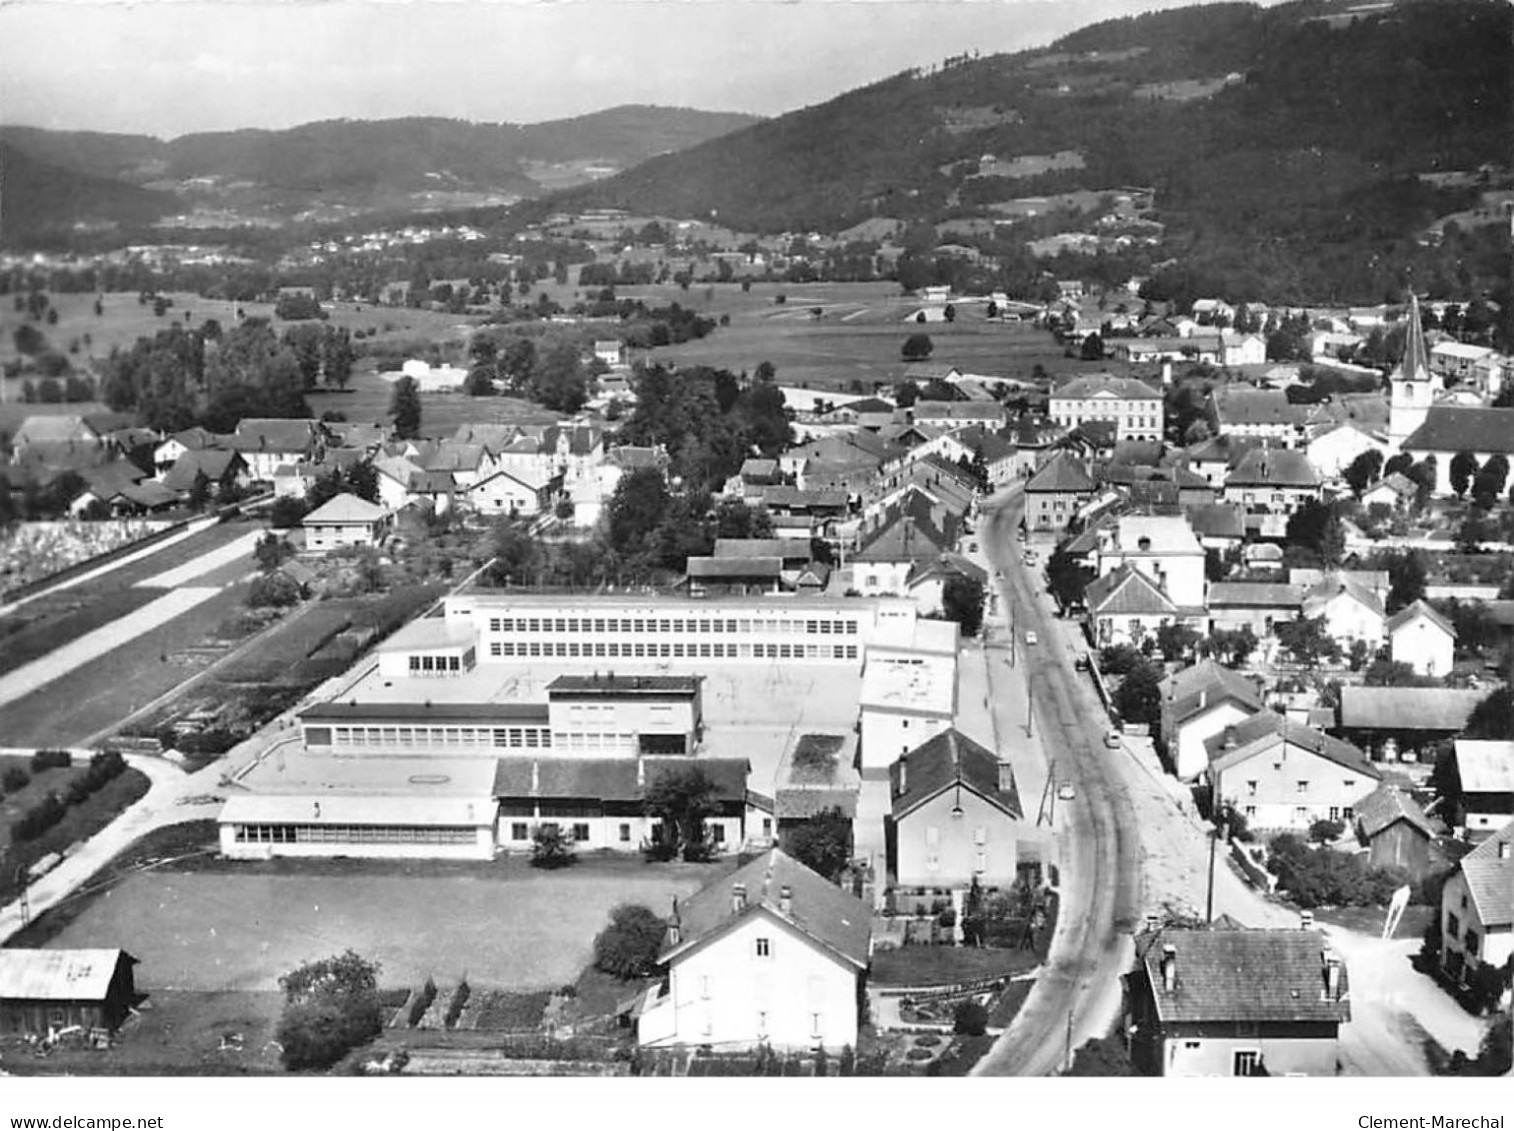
[1370, 920]
[225, 926]
[178, 1034]
[945, 965]
[104, 691]
[367, 401]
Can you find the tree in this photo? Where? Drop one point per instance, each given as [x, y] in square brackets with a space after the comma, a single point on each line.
[1489, 482]
[1139, 696]
[636, 510]
[906, 393]
[199, 490]
[629, 946]
[950, 313]
[295, 306]
[822, 843]
[337, 355]
[1233, 646]
[1398, 465]
[682, 799]
[1176, 641]
[1102, 1056]
[1493, 718]
[1317, 527]
[273, 591]
[1463, 467]
[550, 847]
[1092, 348]
[1472, 533]
[558, 380]
[917, 347]
[28, 339]
[962, 600]
[1407, 578]
[1067, 580]
[330, 1007]
[1363, 470]
[970, 1018]
[270, 551]
[405, 408]
[1306, 640]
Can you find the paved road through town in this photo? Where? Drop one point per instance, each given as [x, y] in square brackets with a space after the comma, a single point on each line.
[1077, 996]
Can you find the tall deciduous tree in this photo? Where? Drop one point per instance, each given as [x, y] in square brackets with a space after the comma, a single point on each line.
[682, 799]
[405, 408]
[1463, 467]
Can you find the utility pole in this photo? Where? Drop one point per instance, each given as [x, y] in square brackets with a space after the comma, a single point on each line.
[1068, 1066]
[1214, 837]
[1030, 716]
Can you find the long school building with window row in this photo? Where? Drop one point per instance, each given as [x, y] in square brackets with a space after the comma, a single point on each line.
[514, 627]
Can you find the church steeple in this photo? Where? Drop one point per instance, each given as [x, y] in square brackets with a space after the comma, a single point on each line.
[1414, 386]
[1415, 364]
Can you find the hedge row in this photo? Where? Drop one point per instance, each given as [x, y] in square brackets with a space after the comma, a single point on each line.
[51, 760]
[103, 767]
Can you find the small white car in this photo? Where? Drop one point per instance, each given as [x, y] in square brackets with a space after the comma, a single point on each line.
[1030, 639]
[1066, 792]
[1113, 740]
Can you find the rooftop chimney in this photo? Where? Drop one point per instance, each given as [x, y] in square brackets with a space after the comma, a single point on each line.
[1153, 924]
[1169, 968]
[1203, 698]
[1503, 850]
[1006, 778]
[1306, 920]
[738, 898]
[903, 773]
[1332, 964]
[675, 925]
[1143, 543]
[1229, 738]
[786, 900]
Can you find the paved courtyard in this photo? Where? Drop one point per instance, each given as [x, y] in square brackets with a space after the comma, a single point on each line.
[505, 926]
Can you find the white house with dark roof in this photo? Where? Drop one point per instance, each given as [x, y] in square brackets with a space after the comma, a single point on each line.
[1056, 491]
[955, 815]
[513, 492]
[1259, 605]
[1127, 607]
[1351, 610]
[1163, 548]
[1240, 410]
[1284, 775]
[1236, 1002]
[1334, 447]
[1198, 703]
[1422, 638]
[773, 954]
[1477, 910]
[1274, 480]
[1396, 491]
[345, 520]
[267, 442]
[1134, 407]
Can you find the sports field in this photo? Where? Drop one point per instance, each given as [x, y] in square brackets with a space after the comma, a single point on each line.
[503, 925]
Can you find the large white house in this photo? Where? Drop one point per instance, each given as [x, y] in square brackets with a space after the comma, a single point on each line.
[1134, 407]
[1163, 547]
[1351, 610]
[1198, 703]
[773, 954]
[1279, 774]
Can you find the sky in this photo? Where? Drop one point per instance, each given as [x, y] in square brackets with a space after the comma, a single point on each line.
[169, 67]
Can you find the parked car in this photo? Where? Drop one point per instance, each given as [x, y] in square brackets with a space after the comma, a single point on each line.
[1030, 639]
[1066, 792]
[1112, 739]
[1081, 663]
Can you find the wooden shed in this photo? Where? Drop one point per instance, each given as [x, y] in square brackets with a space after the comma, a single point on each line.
[44, 991]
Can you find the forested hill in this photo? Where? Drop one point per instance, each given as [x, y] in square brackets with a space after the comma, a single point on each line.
[1259, 121]
[36, 192]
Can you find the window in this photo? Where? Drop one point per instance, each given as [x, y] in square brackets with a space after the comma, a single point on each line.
[1303, 787]
[1349, 783]
[1453, 925]
[1251, 789]
[762, 1023]
[1335, 813]
[519, 831]
[1301, 815]
[1250, 812]
[815, 1029]
[625, 833]
[1472, 941]
[764, 948]
[1248, 1062]
[767, 826]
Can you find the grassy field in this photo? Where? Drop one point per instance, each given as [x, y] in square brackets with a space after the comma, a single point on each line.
[505, 926]
[103, 692]
[945, 965]
[41, 626]
[366, 401]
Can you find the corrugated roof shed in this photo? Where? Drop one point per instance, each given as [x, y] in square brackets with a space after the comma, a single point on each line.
[58, 975]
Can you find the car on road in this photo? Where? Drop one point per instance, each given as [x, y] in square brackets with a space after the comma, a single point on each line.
[1082, 663]
[1030, 639]
[1112, 739]
[1066, 792]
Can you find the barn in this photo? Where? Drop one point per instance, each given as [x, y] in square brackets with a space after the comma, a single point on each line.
[48, 991]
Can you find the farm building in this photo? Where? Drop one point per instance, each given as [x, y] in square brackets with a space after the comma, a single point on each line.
[43, 992]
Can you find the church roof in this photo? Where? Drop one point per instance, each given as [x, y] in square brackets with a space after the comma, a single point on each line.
[1415, 365]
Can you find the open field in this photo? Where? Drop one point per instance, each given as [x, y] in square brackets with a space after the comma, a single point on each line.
[367, 401]
[124, 320]
[504, 925]
[105, 690]
[830, 354]
[26, 638]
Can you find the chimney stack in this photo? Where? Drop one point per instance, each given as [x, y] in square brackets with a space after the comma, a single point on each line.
[1332, 965]
[1503, 850]
[1006, 778]
[738, 898]
[903, 774]
[1153, 924]
[1169, 968]
[675, 925]
[1306, 920]
[786, 900]
[1203, 698]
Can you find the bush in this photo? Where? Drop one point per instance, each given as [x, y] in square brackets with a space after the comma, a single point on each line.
[38, 819]
[51, 760]
[273, 590]
[970, 1019]
[1325, 830]
[330, 1007]
[286, 512]
[550, 847]
[629, 946]
[15, 779]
